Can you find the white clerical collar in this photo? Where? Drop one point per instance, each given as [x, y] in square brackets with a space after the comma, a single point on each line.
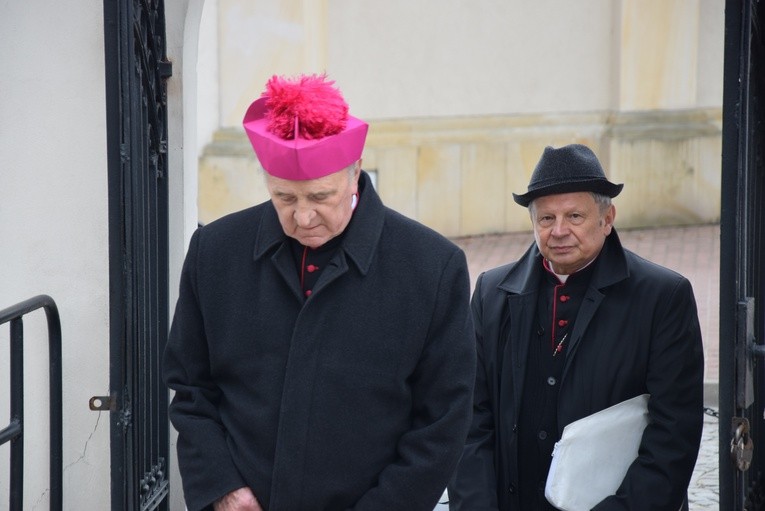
[562, 277]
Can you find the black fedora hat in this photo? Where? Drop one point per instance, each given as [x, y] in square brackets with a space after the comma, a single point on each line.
[571, 168]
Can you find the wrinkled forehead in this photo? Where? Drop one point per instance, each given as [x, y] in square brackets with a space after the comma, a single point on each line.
[563, 202]
[332, 182]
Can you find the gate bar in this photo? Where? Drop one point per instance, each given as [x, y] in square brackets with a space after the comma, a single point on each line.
[733, 144]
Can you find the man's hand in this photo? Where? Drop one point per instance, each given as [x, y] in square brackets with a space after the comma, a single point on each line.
[238, 500]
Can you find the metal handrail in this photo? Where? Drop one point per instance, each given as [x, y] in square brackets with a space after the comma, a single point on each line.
[14, 431]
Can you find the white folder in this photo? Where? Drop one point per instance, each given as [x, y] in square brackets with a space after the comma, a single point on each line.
[593, 455]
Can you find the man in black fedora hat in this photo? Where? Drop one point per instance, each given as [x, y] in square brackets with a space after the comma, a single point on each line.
[577, 325]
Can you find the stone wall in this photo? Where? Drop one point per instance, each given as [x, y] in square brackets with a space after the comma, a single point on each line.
[457, 175]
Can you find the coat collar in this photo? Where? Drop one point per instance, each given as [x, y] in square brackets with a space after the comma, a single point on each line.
[361, 237]
[611, 267]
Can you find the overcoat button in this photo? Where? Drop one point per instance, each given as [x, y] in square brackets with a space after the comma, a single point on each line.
[542, 435]
[515, 428]
[551, 381]
[511, 489]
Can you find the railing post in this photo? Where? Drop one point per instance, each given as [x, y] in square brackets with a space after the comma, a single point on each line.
[56, 405]
[17, 414]
[14, 432]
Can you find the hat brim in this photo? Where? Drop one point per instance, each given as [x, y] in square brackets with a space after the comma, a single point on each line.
[600, 186]
[302, 159]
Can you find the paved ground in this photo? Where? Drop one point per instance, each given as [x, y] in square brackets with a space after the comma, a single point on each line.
[691, 251]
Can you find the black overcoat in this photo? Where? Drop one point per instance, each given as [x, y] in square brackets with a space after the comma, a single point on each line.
[637, 332]
[358, 397]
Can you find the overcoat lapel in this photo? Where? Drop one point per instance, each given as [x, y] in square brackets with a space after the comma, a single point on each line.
[611, 267]
[336, 268]
[521, 285]
[592, 300]
[270, 235]
[285, 266]
[521, 309]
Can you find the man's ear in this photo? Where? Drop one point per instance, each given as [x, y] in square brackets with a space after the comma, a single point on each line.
[608, 219]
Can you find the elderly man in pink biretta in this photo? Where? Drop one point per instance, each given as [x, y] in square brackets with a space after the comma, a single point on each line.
[321, 350]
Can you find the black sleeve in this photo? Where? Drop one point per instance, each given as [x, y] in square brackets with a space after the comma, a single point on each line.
[207, 469]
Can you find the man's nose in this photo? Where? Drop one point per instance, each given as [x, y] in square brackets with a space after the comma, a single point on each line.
[304, 216]
[559, 227]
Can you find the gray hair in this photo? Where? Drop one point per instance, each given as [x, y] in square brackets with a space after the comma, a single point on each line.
[352, 169]
[603, 201]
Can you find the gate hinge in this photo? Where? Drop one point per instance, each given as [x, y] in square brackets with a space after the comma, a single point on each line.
[165, 68]
[744, 353]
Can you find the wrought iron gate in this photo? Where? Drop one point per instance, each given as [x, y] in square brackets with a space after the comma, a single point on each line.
[742, 264]
[136, 73]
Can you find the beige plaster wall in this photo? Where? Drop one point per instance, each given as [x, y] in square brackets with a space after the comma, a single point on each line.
[658, 57]
[259, 38]
[461, 100]
[457, 175]
[54, 227]
[416, 59]
[670, 164]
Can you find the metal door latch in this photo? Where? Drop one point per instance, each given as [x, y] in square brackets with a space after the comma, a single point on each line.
[741, 445]
[102, 403]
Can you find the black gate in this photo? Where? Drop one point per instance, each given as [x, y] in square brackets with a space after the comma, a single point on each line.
[136, 73]
[742, 264]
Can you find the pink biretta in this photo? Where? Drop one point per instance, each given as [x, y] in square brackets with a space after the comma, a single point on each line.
[300, 128]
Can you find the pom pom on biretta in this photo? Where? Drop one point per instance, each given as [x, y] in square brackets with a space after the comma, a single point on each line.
[309, 103]
[300, 128]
